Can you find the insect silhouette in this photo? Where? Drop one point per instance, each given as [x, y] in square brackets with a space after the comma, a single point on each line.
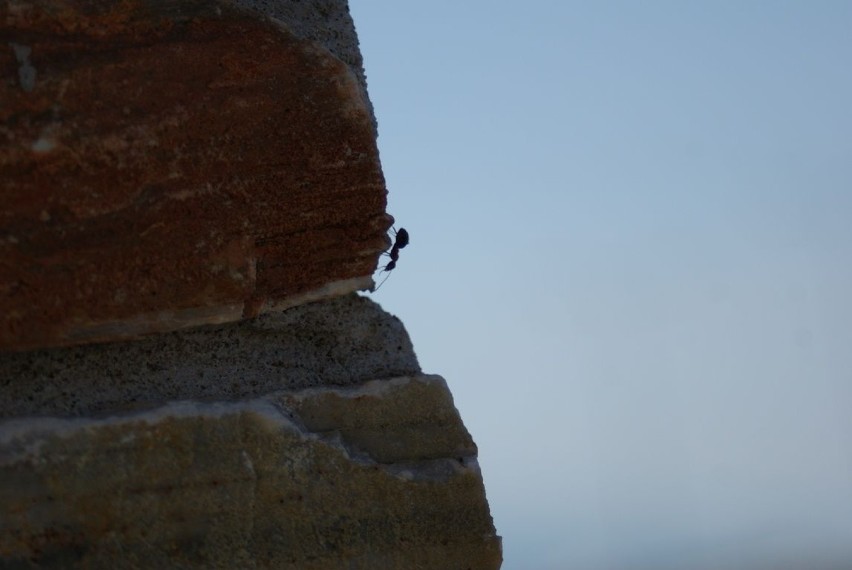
[400, 241]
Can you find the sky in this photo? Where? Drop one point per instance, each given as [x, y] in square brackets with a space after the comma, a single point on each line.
[631, 259]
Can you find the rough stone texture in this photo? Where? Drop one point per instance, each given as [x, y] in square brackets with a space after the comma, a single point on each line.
[341, 479]
[326, 22]
[338, 342]
[169, 164]
[307, 439]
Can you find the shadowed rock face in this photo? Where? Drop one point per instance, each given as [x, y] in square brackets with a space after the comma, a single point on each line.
[172, 164]
[169, 164]
[339, 342]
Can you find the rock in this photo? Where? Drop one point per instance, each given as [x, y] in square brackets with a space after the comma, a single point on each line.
[339, 342]
[168, 165]
[306, 439]
[173, 164]
[319, 478]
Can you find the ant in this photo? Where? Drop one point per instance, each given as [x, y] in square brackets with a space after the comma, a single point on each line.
[400, 241]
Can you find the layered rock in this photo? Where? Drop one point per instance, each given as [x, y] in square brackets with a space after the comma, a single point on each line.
[256, 462]
[206, 485]
[168, 165]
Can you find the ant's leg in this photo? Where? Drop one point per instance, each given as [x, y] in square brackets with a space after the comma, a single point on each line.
[382, 283]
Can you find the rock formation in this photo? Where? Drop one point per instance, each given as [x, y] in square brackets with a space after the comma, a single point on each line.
[175, 164]
[191, 197]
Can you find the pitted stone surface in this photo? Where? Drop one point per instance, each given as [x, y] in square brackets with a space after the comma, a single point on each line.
[326, 22]
[337, 342]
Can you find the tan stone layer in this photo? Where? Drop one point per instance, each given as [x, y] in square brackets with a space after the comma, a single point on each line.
[381, 475]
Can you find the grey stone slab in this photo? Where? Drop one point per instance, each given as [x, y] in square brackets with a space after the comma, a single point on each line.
[338, 342]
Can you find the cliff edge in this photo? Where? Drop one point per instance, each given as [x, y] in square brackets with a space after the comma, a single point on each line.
[191, 199]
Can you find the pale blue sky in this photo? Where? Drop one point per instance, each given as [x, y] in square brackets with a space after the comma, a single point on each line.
[631, 258]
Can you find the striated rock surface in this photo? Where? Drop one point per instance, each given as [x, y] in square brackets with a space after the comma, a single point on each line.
[319, 478]
[306, 439]
[173, 164]
[168, 165]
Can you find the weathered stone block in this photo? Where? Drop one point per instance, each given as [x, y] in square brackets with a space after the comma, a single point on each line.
[169, 164]
[306, 439]
[337, 342]
[199, 162]
[287, 481]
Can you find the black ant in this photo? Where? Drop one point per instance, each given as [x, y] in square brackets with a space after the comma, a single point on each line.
[400, 241]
